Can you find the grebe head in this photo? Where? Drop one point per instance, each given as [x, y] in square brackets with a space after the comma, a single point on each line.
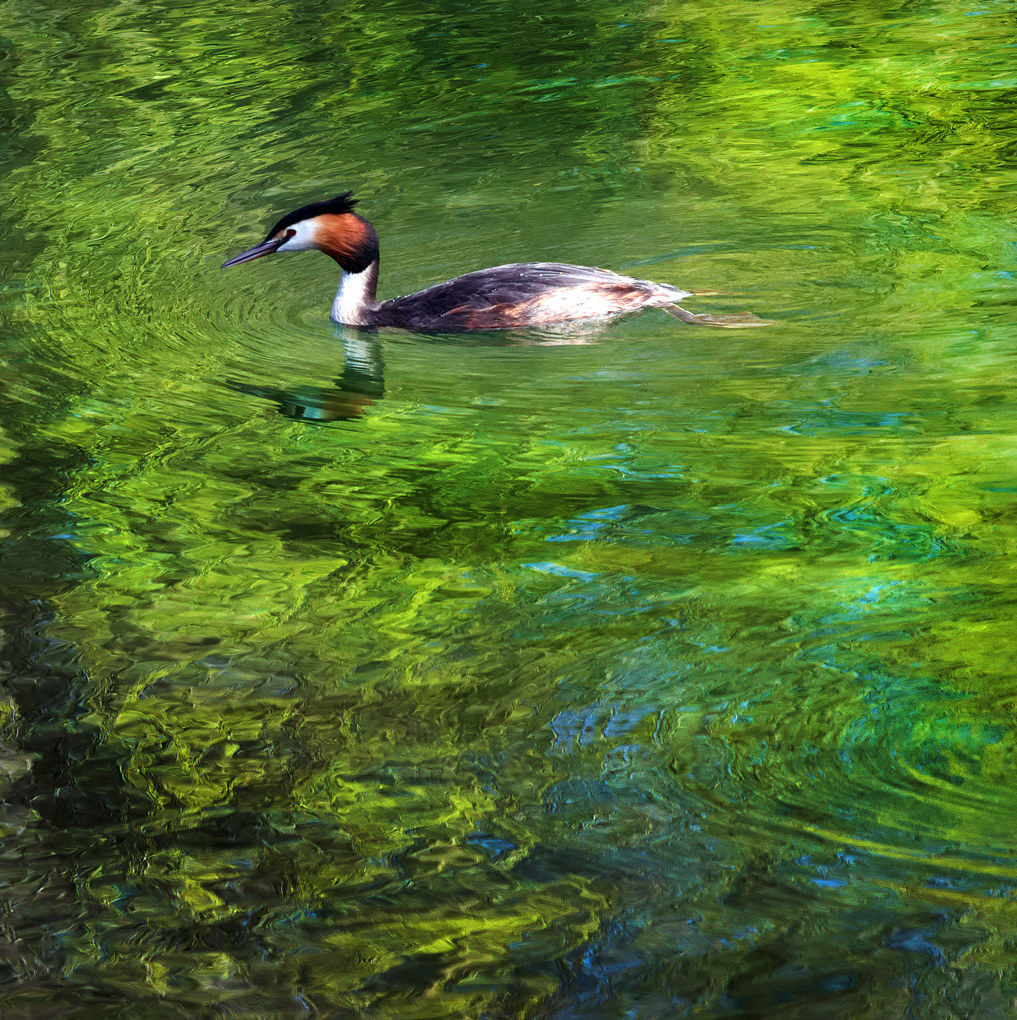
[330, 226]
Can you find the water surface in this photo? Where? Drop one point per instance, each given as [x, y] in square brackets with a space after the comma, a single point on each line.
[636, 669]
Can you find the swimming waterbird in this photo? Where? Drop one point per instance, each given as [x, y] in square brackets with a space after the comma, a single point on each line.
[512, 296]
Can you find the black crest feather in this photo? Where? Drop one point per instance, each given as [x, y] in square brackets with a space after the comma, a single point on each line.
[343, 203]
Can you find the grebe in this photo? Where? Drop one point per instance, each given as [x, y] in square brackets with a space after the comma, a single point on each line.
[520, 294]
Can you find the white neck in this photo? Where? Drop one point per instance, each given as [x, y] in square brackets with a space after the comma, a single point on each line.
[355, 297]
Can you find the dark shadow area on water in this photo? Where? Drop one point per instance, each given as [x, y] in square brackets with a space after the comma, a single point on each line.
[64, 803]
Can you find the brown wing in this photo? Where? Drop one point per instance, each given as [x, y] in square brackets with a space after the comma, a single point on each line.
[523, 294]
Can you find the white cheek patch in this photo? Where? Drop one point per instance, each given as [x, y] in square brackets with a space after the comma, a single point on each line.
[303, 237]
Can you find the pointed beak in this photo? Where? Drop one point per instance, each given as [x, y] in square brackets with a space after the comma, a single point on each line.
[265, 248]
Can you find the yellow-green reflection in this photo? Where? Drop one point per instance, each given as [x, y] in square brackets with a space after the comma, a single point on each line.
[631, 668]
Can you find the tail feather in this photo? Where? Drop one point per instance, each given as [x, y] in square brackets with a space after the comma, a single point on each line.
[741, 320]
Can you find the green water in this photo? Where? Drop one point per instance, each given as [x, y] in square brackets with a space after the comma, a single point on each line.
[635, 670]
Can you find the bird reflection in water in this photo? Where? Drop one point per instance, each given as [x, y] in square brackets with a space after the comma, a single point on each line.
[361, 384]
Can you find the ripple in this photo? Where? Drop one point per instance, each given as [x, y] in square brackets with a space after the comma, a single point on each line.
[618, 668]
